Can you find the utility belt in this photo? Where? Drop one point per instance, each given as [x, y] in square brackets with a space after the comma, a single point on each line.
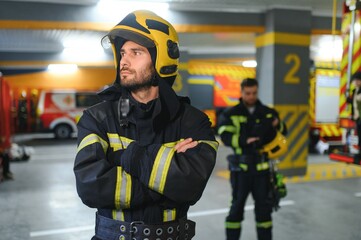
[238, 163]
[110, 229]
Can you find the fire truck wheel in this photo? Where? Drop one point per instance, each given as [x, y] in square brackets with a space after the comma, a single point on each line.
[62, 131]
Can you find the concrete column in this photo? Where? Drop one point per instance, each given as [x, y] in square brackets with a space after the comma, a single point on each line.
[180, 85]
[283, 64]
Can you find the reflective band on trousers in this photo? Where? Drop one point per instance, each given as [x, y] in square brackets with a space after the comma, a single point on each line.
[233, 225]
[264, 224]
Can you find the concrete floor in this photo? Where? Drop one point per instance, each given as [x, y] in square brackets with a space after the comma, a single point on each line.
[42, 203]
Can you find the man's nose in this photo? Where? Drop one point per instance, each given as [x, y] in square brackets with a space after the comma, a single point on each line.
[124, 61]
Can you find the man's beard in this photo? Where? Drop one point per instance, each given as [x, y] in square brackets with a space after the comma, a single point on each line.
[145, 84]
[249, 103]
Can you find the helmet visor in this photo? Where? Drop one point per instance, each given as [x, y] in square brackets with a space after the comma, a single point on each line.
[127, 35]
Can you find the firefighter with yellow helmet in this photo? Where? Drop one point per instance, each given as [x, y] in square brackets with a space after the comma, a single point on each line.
[144, 154]
[255, 133]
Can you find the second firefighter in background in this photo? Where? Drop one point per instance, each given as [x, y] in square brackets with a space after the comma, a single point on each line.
[248, 128]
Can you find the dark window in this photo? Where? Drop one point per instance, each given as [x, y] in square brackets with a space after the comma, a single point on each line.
[86, 99]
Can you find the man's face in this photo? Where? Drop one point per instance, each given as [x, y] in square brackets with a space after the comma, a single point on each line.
[136, 68]
[357, 82]
[250, 95]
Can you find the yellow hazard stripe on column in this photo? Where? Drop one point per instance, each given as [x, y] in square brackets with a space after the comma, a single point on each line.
[312, 108]
[296, 118]
[281, 38]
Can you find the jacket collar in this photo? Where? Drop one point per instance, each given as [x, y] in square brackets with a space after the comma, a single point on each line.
[168, 98]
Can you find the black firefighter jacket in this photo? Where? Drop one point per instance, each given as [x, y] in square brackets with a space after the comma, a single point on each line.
[237, 124]
[132, 173]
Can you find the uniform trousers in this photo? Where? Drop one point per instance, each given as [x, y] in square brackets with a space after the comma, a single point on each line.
[258, 184]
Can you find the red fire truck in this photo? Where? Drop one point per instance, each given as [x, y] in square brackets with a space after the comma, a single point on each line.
[5, 119]
[351, 63]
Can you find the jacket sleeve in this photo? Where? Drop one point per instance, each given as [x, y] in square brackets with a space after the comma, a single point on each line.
[100, 182]
[229, 132]
[281, 126]
[180, 177]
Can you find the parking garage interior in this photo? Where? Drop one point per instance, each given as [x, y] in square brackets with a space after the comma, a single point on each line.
[299, 52]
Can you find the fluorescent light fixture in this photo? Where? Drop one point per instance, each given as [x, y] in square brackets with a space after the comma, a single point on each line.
[329, 48]
[62, 68]
[249, 63]
[120, 9]
[83, 50]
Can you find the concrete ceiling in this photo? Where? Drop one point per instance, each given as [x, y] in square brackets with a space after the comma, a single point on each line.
[15, 42]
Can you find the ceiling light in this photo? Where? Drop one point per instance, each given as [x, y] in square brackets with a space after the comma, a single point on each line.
[249, 63]
[119, 9]
[62, 68]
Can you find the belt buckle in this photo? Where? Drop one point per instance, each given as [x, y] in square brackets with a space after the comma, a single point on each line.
[133, 229]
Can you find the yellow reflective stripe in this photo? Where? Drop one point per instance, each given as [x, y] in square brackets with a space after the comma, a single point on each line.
[264, 224]
[172, 144]
[118, 215]
[243, 166]
[238, 151]
[227, 128]
[128, 190]
[269, 115]
[118, 142]
[122, 189]
[233, 225]
[235, 140]
[221, 129]
[90, 139]
[262, 166]
[282, 127]
[238, 119]
[169, 215]
[160, 168]
[213, 144]
[117, 187]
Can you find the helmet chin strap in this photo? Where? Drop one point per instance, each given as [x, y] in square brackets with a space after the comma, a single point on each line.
[123, 108]
[155, 80]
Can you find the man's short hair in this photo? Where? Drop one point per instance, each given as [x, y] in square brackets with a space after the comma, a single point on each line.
[356, 75]
[249, 82]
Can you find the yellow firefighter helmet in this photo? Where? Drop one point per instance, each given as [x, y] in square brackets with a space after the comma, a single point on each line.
[277, 147]
[151, 31]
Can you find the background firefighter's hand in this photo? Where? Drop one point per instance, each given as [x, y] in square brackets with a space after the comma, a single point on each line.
[185, 144]
[275, 122]
[252, 140]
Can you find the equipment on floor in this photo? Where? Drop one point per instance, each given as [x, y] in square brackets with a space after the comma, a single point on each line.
[278, 187]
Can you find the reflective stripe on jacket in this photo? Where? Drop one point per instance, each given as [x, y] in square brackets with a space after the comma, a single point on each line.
[237, 124]
[131, 174]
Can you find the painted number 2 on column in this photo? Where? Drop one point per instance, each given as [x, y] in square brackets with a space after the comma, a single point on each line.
[294, 61]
